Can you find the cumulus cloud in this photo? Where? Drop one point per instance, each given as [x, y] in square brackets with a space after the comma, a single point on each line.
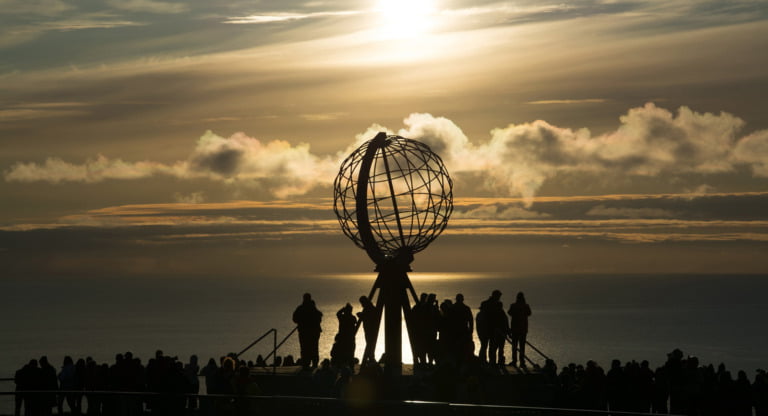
[650, 141]
[516, 161]
[278, 166]
[753, 151]
[283, 168]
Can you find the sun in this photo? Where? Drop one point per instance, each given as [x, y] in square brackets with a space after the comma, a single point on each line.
[401, 19]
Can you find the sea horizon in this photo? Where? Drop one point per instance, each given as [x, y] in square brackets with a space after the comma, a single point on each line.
[576, 317]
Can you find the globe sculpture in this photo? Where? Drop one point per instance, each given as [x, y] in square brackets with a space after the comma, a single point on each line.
[393, 197]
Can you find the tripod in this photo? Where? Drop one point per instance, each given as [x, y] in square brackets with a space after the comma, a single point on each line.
[393, 286]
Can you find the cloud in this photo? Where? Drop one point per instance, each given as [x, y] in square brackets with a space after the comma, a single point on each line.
[278, 166]
[37, 7]
[753, 151]
[149, 6]
[283, 168]
[498, 212]
[55, 170]
[604, 211]
[42, 110]
[516, 161]
[286, 17]
[324, 116]
[650, 141]
[567, 101]
[192, 198]
[14, 34]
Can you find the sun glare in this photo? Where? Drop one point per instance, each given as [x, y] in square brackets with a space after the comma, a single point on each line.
[400, 19]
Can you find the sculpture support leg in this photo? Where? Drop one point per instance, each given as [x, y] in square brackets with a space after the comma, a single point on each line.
[393, 338]
[393, 304]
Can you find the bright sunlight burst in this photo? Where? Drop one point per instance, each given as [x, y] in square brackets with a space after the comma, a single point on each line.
[401, 19]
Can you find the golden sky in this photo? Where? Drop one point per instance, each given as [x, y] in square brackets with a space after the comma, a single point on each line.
[615, 136]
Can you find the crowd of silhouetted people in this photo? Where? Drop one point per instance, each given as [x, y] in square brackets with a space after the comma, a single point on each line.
[440, 332]
[446, 368]
[172, 385]
[680, 386]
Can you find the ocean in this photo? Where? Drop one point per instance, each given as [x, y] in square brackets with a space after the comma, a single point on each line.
[718, 318]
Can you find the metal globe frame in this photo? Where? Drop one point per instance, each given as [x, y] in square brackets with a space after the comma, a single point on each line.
[401, 191]
[393, 197]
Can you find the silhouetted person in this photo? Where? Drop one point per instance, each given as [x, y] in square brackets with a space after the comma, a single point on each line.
[617, 387]
[343, 351]
[420, 320]
[431, 323]
[518, 327]
[447, 334]
[760, 393]
[67, 381]
[80, 371]
[460, 317]
[742, 396]
[307, 317]
[25, 380]
[495, 327]
[191, 371]
[593, 387]
[369, 318]
[47, 381]
[483, 334]
[674, 372]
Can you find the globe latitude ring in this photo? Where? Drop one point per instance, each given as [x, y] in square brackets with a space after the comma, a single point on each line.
[393, 196]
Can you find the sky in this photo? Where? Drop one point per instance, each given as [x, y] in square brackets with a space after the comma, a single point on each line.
[171, 139]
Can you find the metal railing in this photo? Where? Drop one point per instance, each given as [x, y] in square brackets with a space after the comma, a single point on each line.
[533, 347]
[280, 344]
[132, 403]
[275, 345]
[272, 331]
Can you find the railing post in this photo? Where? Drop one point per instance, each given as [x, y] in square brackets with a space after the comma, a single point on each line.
[274, 348]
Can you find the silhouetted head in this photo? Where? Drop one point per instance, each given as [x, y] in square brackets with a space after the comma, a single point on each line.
[496, 294]
[431, 298]
[423, 298]
[32, 363]
[364, 301]
[307, 297]
[128, 355]
[44, 361]
[520, 297]
[159, 354]
[228, 364]
[348, 308]
[459, 298]
[68, 360]
[193, 359]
